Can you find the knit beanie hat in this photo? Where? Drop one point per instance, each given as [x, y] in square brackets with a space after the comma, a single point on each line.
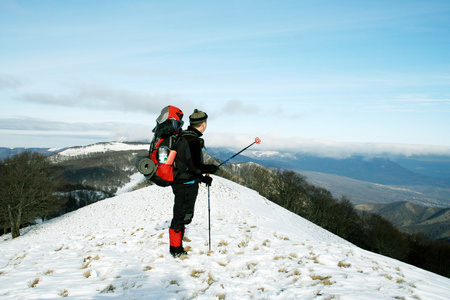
[197, 117]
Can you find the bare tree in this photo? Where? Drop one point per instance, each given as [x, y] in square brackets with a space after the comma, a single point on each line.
[289, 191]
[28, 189]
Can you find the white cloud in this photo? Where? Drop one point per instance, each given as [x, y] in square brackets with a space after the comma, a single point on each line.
[234, 107]
[322, 148]
[100, 97]
[52, 131]
[8, 82]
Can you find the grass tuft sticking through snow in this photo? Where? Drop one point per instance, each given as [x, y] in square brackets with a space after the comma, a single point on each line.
[87, 274]
[63, 293]
[33, 283]
[197, 273]
[109, 289]
[343, 265]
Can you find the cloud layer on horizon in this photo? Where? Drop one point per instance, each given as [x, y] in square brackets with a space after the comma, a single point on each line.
[324, 148]
[49, 131]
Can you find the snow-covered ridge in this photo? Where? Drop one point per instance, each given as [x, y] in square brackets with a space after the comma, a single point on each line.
[118, 248]
[269, 154]
[103, 147]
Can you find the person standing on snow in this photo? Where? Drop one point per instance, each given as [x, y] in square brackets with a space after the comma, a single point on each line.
[190, 170]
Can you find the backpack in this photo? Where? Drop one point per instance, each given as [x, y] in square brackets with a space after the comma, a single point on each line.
[158, 165]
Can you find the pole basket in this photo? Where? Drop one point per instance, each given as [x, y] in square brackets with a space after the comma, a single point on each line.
[258, 140]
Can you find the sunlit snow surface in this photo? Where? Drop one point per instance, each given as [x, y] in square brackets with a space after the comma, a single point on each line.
[103, 147]
[118, 248]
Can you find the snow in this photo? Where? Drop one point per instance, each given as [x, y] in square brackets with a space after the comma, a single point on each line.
[103, 147]
[55, 149]
[269, 154]
[134, 180]
[118, 248]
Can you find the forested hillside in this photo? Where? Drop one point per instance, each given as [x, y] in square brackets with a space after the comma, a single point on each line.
[434, 222]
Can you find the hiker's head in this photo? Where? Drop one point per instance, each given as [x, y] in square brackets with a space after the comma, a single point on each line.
[198, 120]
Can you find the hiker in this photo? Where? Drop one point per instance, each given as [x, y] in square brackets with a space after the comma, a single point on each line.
[190, 170]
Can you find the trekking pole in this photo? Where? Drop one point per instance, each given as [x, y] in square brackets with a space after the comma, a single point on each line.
[209, 220]
[257, 141]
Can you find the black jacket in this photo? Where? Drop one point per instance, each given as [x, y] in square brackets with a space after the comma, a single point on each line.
[189, 160]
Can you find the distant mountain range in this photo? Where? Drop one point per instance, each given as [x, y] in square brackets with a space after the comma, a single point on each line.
[394, 171]
[420, 184]
[7, 152]
[434, 222]
[422, 180]
[411, 192]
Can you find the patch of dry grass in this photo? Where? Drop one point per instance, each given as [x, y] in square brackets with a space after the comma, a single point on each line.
[343, 265]
[210, 279]
[319, 277]
[197, 273]
[87, 274]
[243, 244]
[250, 265]
[297, 272]
[33, 283]
[223, 243]
[63, 293]
[325, 280]
[109, 289]
[223, 264]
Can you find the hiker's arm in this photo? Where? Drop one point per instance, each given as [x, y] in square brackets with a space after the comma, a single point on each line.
[194, 162]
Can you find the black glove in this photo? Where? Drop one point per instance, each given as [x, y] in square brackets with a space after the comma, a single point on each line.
[213, 169]
[207, 180]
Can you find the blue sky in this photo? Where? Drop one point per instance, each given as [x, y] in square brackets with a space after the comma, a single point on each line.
[294, 73]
